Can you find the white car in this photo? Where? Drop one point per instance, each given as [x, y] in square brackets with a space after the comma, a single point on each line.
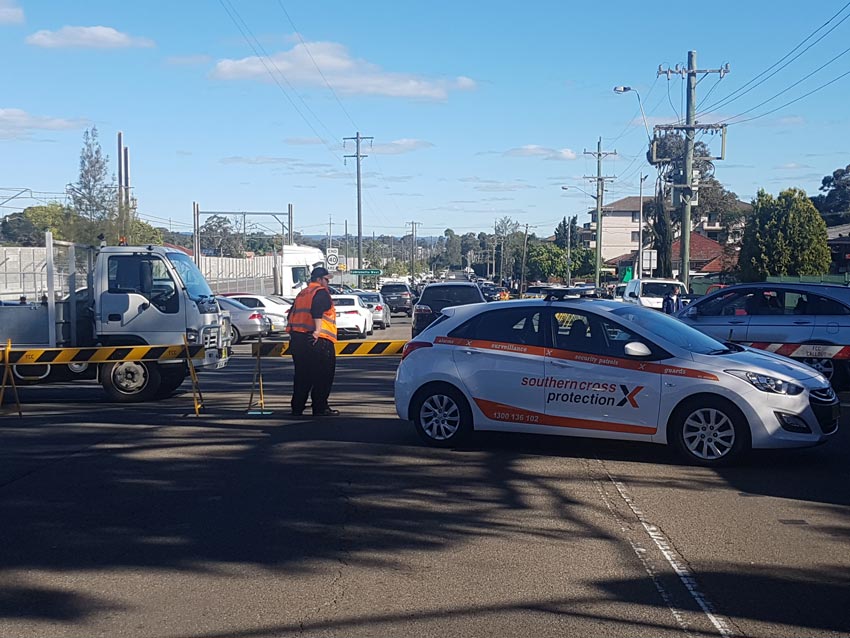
[276, 308]
[650, 292]
[604, 369]
[352, 316]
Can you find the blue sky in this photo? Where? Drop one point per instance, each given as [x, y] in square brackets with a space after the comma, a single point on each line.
[478, 110]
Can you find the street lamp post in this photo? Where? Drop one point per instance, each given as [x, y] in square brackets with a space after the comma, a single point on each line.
[628, 89]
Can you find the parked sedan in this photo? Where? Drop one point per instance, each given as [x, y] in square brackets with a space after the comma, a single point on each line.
[380, 309]
[605, 369]
[352, 316]
[274, 307]
[809, 322]
[245, 322]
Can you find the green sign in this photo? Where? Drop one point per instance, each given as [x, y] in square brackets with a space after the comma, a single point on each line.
[366, 271]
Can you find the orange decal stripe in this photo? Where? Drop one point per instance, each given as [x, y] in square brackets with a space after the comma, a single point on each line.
[512, 414]
[569, 355]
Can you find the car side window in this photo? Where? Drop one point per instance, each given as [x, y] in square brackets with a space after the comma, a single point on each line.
[578, 332]
[519, 326]
[817, 305]
[728, 304]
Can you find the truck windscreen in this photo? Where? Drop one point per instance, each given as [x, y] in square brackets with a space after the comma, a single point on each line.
[192, 278]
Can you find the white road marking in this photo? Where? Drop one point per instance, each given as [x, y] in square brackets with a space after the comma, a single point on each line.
[676, 562]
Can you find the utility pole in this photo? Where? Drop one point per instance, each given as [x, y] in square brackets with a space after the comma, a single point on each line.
[689, 193]
[346, 244]
[413, 226]
[330, 230]
[600, 189]
[640, 230]
[358, 156]
[522, 269]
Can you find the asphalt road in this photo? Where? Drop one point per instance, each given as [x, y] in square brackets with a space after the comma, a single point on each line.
[149, 521]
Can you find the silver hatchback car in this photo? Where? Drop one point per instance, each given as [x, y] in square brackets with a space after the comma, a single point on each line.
[381, 316]
[808, 322]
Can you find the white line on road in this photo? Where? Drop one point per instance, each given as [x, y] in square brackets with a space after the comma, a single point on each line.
[675, 560]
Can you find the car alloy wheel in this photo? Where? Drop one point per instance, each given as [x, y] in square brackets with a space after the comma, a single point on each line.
[825, 366]
[442, 415]
[710, 431]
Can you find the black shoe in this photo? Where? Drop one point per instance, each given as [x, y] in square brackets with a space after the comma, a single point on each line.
[327, 412]
[296, 413]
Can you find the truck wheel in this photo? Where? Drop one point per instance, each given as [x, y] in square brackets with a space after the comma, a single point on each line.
[130, 381]
[171, 378]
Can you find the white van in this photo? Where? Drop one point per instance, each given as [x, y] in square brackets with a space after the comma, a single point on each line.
[650, 292]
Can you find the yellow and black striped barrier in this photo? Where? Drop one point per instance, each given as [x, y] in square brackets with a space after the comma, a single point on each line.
[103, 354]
[343, 349]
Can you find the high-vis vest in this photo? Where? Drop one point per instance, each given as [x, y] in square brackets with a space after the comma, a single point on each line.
[301, 318]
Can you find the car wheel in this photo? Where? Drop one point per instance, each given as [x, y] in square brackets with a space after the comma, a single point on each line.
[130, 381]
[709, 431]
[441, 415]
[171, 378]
[235, 337]
[388, 323]
[410, 312]
[361, 334]
[825, 366]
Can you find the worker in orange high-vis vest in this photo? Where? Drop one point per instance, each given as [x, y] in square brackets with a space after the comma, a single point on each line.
[312, 334]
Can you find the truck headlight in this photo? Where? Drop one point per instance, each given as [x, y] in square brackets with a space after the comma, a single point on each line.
[766, 383]
[192, 335]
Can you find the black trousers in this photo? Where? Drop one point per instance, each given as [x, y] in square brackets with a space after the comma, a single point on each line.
[315, 367]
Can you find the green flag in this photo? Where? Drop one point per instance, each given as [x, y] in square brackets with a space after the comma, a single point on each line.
[627, 274]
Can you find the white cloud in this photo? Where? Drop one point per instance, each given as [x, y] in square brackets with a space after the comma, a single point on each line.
[533, 150]
[495, 186]
[86, 38]
[188, 60]
[18, 124]
[10, 12]
[399, 146]
[347, 75]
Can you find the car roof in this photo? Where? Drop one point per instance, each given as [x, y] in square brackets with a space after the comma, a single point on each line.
[835, 291]
[453, 284]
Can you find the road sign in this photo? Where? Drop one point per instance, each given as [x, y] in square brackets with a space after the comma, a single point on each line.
[333, 251]
[332, 260]
[342, 267]
[363, 271]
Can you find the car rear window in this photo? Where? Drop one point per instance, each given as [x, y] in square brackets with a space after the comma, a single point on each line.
[439, 297]
[343, 302]
[394, 288]
[661, 288]
[369, 298]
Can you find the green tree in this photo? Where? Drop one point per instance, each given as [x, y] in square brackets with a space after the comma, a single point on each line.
[17, 230]
[94, 194]
[453, 249]
[219, 239]
[834, 202]
[142, 233]
[783, 236]
[60, 220]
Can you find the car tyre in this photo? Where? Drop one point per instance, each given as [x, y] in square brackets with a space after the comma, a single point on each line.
[709, 431]
[361, 334]
[441, 415]
[130, 381]
[834, 371]
[171, 378]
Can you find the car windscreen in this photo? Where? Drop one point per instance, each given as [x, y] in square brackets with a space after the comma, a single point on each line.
[439, 297]
[192, 278]
[391, 288]
[669, 329]
[661, 288]
[232, 303]
[370, 298]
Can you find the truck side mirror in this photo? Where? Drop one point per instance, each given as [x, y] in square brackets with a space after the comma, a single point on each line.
[146, 277]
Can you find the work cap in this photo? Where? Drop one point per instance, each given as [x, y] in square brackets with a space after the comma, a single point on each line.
[318, 273]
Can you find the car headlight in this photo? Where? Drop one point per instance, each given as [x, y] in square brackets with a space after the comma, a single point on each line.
[766, 383]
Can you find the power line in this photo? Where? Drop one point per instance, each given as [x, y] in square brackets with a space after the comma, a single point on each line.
[752, 84]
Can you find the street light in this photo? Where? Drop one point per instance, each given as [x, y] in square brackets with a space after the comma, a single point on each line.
[627, 89]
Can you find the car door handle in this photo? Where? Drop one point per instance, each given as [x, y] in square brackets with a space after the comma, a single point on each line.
[802, 323]
[561, 364]
[113, 317]
[472, 352]
[737, 322]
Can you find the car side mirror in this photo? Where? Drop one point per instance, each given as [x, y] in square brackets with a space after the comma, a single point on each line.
[637, 349]
[633, 294]
[145, 277]
[692, 312]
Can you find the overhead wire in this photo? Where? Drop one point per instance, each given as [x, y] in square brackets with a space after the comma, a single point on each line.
[753, 83]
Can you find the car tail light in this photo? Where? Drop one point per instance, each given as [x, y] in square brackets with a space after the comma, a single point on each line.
[255, 315]
[422, 310]
[379, 308]
[410, 346]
